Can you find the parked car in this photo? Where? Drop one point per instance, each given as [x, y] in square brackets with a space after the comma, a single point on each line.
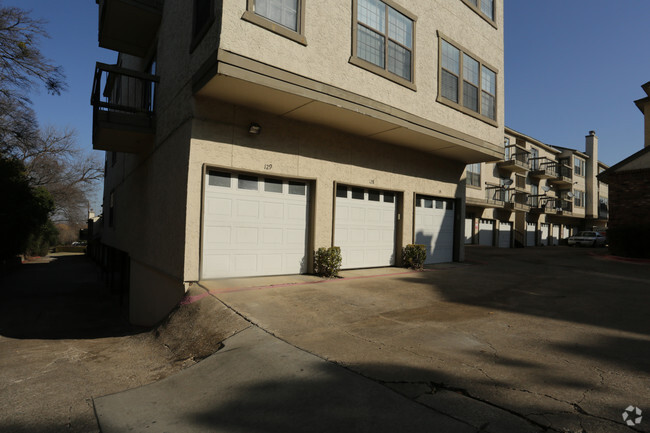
[589, 239]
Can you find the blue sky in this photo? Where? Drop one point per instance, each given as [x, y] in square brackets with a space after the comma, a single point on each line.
[571, 66]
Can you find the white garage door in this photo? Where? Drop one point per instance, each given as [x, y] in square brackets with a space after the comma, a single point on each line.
[253, 226]
[504, 234]
[556, 235]
[434, 228]
[469, 224]
[486, 230]
[544, 233]
[530, 234]
[365, 227]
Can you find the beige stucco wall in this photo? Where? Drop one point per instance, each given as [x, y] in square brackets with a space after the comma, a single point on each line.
[220, 138]
[326, 57]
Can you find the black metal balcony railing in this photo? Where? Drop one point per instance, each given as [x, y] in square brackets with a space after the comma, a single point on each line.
[123, 108]
[543, 166]
[496, 195]
[124, 90]
[515, 159]
[565, 172]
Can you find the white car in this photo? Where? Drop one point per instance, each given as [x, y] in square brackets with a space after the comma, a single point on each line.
[588, 239]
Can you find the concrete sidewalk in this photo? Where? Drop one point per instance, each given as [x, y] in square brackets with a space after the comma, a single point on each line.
[258, 383]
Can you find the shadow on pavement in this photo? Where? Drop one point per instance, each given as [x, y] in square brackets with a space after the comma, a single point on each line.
[60, 297]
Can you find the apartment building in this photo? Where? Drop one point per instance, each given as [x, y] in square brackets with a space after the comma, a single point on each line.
[535, 195]
[242, 135]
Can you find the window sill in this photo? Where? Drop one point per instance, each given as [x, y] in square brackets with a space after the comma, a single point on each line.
[467, 111]
[276, 28]
[382, 73]
[473, 187]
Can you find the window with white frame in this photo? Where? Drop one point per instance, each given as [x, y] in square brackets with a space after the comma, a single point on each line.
[579, 166]
[466, 83]
[384, 39]
[474, 174]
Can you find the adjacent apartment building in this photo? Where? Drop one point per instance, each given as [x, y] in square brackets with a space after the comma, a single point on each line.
[536, 194]
[241, 135]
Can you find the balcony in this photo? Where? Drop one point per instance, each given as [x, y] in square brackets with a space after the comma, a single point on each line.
[123, 115]
[538, 204]
[563, 176]
[516, 160]
[496, 195]
[564, 207]
[129, 26]
[542, 168]
[518, 201]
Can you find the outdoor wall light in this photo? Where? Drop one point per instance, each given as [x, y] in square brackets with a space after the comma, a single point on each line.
[254, 129]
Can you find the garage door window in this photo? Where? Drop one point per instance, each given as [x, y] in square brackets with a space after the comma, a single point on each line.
[297, 188]
[247, 182]
[357, 193]
[389, 197]
[373, 195]
[218, 178]
[440, 204]
[273, 185]
[341, 191]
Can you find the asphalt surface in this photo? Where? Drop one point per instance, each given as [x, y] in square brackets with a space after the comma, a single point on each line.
[548, 339]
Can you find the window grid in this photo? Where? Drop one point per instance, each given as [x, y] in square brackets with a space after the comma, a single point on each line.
[283, 12]
[579, 166]
[579, 198]
[474, 174]
[485, 8]
[385, 38]
[456, 68]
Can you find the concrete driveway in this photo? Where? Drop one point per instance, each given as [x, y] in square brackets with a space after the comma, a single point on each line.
[518, 340]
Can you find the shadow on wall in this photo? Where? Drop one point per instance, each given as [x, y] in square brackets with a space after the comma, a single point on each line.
[62, 299]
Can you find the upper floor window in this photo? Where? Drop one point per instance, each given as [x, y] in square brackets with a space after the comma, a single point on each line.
[284, 17]
[579, 166]
[202, 19]
[578, 198]
[384, 39]
[474, 174]
[466, 83]
[534, 159]
[485, 8]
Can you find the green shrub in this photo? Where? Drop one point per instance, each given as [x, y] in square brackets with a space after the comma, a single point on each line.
[327, 262]
[414, 255]
[629, 241]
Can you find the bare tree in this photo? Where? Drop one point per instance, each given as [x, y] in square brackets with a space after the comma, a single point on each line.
[52, 161]
[50, 156]
[22, 64]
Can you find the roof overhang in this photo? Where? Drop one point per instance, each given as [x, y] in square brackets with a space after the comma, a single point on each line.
[242, 81]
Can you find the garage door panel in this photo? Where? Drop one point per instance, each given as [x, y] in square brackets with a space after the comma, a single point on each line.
[249, 232]
[364, 227]
[434, 228]
[272, 236]
[273, 210]
[220, 207]
[218, 235]
[248, 208]
[295, 237]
